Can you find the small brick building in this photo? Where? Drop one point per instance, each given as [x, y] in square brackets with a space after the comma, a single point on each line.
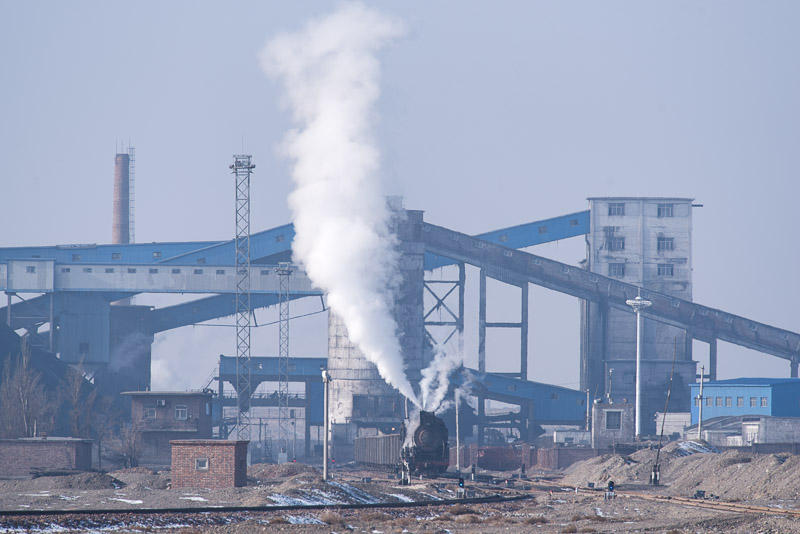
[612, 424]
[19, 457]
[209, 463]
[161, 416]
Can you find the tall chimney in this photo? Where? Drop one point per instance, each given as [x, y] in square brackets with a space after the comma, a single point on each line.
[120, 229]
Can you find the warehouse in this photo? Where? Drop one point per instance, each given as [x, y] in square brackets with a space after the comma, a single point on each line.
[779, 397]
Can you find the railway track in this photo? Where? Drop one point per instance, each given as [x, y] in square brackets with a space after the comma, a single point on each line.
[271, 508]
[682, 501]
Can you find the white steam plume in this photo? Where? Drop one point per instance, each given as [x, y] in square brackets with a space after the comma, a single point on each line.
[330, 73]
[435, 382]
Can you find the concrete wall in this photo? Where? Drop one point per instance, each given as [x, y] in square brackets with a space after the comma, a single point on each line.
[226, 468]
[608, 335]
[19, 456]
[604, 437]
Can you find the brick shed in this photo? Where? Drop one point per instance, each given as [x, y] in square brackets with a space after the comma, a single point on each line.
[209, 463]
[18, 457]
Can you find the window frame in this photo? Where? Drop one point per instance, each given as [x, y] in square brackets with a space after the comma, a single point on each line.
[618, 416]
[616, 243]
[665, 244]
[202, 464]
[181, 408]
[666, 270]
[616, 209]
[616, 270]
[665, 210]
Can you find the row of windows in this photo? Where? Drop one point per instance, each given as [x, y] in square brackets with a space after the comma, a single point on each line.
[181, 412]
[617, 209]
[728, 401]
[151, 270]
[615, 242]
[617, 270]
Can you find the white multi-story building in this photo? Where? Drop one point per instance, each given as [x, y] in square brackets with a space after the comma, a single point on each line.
[646, 242]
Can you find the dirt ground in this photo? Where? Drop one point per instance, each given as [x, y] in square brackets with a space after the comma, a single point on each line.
[546, 510]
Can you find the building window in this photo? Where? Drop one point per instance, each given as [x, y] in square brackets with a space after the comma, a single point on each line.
[65, 269]
[665, 210]
[763, 402]
[666, 269]
[754, 402]
[198, 271]
[109, 269]
[30, 268]
[152, 270]
[543, 229]
[115, 255]
[76, 257]
[201, 261]
[573, 222]
[697, 401]
[718, 401]
[617, 270]
[131, 270]
[554, 396]
[149, 412]
[616, 243]
[264, 272]
[156, 254]
[613, 420]
[87, 269]
[709, 401]
[616, 208]
[740, 402]
[181, 413]
[201, 464]
[665, 243]
[176, 271]
[728, 402]
[220, 271]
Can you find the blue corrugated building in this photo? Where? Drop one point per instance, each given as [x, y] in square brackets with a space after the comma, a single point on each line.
[778, 397]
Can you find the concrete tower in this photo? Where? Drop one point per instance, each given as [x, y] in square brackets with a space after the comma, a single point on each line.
[120, 229]
[362, 403]
[646, 242]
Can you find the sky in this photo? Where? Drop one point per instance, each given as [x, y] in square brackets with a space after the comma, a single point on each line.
[491, 114]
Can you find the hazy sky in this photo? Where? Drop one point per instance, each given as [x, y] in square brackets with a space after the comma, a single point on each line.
[492, 114]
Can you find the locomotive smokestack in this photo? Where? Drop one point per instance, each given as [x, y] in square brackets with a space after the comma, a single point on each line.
[120, 229]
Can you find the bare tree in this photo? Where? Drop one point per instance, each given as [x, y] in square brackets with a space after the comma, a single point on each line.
[24, 405]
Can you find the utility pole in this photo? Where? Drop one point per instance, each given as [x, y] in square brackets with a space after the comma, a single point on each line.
[700, 414]
[638, 304]
[284, 272]
[326, 379]
[588, 408]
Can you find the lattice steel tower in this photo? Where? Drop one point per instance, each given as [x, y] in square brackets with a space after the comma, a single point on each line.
[284, 272]
[242, 168]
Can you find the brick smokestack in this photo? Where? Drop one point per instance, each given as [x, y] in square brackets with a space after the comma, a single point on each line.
[120, 229]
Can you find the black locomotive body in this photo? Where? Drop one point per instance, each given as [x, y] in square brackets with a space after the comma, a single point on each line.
[427, 453]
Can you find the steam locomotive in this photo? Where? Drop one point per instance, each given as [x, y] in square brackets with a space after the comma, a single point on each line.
[426, 453]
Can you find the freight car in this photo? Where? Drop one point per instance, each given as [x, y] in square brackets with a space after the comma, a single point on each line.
[426, 453]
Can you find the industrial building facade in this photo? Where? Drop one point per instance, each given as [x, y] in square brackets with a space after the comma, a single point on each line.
[646, 242]
[779, 397]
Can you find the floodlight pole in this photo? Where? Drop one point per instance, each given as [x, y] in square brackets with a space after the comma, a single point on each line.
[638, 304]
[458, 439]
[326, 379]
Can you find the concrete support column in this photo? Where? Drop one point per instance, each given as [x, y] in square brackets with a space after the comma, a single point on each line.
[712, 359]
[793, 368]
[523, 334]
[481, 350]
[52, 325]
[8, 309]
[462, 282]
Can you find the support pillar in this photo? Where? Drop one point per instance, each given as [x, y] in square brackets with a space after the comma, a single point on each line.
[793, 368]
[481, 351]
[712, 359]
[462, 282]
[52, 325]
[307, 422]
[8, 309]
[523, 334]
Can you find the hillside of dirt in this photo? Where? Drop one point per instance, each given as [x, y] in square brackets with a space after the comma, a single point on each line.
[731, 475]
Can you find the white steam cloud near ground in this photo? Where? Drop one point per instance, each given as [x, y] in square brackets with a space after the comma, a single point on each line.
[330, 74]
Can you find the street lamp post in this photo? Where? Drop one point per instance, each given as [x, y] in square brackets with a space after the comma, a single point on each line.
[326, 379]
[638, 304]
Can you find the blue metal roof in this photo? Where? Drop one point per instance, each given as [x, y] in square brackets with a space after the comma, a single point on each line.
[751, 381]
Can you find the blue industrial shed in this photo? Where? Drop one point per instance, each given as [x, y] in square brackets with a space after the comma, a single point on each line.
[778, 397]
